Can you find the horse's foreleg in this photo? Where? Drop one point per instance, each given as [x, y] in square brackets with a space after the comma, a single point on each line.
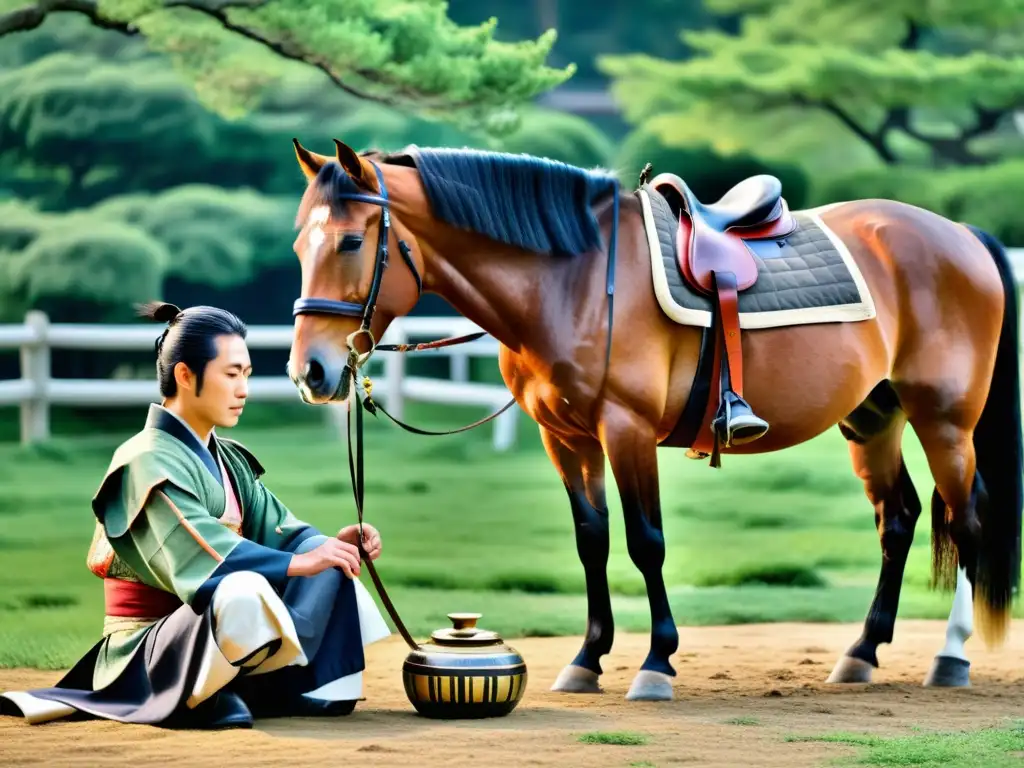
[581, 465]
[630, 443]
[875, 432]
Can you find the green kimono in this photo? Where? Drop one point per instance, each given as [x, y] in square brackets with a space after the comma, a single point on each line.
[172, 522]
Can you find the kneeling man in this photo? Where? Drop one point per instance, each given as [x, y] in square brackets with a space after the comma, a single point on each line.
[221, 605]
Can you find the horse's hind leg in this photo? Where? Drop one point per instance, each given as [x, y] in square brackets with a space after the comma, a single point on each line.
[874, 432]
[581, 465]
[982, 528]
[961, 498]
[951, 668]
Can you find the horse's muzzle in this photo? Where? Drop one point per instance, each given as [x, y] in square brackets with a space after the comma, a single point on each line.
[324, 379]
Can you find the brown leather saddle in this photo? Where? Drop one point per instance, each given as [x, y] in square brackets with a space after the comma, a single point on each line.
[715, 260]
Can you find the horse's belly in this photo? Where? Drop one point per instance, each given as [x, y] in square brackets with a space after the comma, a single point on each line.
[805, 379]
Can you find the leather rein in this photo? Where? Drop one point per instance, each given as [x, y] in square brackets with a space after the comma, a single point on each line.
[365, 311]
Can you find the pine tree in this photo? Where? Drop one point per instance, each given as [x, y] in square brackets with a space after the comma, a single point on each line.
[402, 53]
[928, 83]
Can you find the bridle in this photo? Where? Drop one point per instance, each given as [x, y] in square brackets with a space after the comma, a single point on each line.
[320, 306]
[356, 360]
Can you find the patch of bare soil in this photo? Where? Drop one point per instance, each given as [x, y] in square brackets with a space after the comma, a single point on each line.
[739, 692]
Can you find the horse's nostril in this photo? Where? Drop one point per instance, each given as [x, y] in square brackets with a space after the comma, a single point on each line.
[314, 374]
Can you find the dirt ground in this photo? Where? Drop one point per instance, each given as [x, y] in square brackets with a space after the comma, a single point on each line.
[739, 692]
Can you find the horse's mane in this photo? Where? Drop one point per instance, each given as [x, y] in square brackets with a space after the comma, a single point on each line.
[530, 202]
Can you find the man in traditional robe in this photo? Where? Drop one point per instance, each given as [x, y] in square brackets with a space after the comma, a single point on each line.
[221, 605]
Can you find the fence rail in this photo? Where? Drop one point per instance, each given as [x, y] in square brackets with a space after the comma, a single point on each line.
[37, 391]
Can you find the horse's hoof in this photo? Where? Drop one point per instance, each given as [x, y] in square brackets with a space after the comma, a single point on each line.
[650, 686]
[851, 670]
[574, 679]
[949, 672]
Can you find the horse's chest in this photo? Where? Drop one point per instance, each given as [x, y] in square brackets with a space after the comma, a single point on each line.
[555, 394]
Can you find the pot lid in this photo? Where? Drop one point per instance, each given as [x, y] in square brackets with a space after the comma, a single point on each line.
[464, 631]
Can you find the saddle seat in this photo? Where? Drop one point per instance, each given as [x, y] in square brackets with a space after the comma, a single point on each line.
[711, 235]
[715, 260]
[753, 201]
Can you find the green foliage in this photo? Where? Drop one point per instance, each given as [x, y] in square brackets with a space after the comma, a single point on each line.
[218, 237]
[123, 250]
[406, 53]
[707, 172]
[143, 152]
[81, 261]
[559, 136]
[67, 33]
[71, 139]
[588, 29]
[987, 197]
[92, 129]
[909, 80]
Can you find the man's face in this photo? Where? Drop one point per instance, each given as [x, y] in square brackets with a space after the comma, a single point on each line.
[225, 384]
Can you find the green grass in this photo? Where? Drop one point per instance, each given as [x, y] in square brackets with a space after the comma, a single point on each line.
[987, 748]
[743, 721]
[787, 536]
[616, 738]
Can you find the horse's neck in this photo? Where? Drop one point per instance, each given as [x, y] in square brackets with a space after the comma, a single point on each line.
[495, 286]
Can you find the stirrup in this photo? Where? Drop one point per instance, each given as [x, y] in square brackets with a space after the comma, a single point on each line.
[735, 423]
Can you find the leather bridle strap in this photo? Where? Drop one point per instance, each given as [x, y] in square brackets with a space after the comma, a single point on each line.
[319, 306]
[356, 473]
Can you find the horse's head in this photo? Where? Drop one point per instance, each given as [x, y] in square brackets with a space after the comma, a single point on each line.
[348, 296]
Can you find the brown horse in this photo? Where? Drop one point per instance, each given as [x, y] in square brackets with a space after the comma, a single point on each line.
[534, 251]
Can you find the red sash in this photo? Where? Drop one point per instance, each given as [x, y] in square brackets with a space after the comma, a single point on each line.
[134, 600]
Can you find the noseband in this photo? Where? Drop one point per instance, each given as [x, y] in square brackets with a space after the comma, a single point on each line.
[319, 306]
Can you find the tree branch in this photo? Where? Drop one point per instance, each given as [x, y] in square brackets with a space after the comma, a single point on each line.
[986, 120]
[943, 148]
[912, 39]
[950, 148]
[874, 140]
[32, 16]
[899, 117]
[285, 48]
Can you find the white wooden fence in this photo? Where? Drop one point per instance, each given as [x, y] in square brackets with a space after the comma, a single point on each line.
[36, 391]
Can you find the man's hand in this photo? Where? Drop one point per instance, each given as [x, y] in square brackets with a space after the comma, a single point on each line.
[371, 539]
[333, 553]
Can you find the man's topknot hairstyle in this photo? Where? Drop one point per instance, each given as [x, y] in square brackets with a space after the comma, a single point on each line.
[189, 338]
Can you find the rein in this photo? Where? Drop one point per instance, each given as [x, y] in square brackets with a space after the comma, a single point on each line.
[356, 360]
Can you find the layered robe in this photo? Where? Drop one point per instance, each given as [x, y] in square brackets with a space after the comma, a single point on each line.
[194, 550]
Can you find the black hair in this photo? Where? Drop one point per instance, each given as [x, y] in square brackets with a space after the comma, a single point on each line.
[189, 338]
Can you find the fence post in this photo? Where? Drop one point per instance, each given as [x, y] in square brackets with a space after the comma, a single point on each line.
[459, 367]
[35, 367]
[504, 435]
[394, 372]
[337, 416]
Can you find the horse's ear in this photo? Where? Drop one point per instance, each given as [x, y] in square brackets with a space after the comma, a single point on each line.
[310, 162]
[349, 159]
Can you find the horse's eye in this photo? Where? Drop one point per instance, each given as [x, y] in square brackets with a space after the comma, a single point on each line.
[350, 243]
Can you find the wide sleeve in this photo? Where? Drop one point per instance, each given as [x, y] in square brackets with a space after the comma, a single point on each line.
[176, 545]
[267, 521]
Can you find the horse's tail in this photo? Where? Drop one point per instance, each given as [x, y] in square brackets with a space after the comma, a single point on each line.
[999, 448]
